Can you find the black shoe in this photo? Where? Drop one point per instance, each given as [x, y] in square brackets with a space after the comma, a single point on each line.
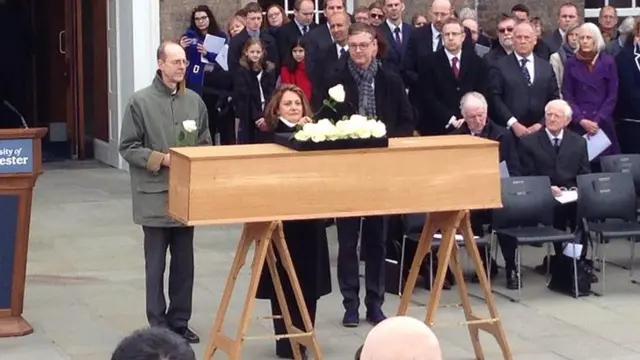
[375, 316]
[187, 334]
[351, 319]
[513, 280]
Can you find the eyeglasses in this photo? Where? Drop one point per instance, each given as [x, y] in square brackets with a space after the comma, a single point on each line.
[376, 16]
[361, 46]
[178, 62]
[505, 30]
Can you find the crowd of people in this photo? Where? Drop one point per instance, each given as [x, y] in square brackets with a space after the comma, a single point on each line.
[536, 92]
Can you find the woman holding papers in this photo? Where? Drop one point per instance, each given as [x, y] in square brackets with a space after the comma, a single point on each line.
[590, 86]
[306, 239]
[206, 74]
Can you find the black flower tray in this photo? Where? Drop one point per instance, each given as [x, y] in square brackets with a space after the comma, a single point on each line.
[287, 140]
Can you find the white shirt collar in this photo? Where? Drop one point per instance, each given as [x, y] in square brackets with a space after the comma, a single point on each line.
[393, 27]
[529, 58]
[551, 136]
[287, 122]
[434, 32]
[451, 56]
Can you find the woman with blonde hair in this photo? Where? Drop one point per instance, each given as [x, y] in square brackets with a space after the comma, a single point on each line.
[566, 50]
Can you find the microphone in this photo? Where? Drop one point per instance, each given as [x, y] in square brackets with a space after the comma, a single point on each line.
[15, 111]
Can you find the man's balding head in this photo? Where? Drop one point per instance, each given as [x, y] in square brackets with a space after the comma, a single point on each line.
[401, 338]
[172, 63]
[439, 12]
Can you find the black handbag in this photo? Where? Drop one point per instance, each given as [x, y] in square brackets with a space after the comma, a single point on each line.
[562, 273]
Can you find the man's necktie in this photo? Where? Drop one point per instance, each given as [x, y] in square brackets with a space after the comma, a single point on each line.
[397, 36]
[439, 46]
[454, 67]
[343, 52]
[305, 29]
[556, 144]
[525, 71]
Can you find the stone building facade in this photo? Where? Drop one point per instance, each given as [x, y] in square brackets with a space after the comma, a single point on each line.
[174, 14]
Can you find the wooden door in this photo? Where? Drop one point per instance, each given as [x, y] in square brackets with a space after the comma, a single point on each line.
[59, 74]
[75, 80]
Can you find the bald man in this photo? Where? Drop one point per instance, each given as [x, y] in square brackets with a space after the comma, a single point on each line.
[401, 338]
[165, 107]
[422, 43]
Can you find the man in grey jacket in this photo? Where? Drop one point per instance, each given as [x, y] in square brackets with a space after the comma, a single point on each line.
[163, 115]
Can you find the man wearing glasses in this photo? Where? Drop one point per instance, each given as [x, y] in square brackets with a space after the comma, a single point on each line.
[164, 107]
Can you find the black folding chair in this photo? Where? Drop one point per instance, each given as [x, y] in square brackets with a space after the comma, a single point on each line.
[526, 217]
[607, 208]
[624, 163]
[412, 229]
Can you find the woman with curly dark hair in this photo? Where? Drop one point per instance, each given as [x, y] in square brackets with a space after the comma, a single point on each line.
[205, 76]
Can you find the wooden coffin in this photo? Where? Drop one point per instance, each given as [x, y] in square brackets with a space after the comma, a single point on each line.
[263, 182]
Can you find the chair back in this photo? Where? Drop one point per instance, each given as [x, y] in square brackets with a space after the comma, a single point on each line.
[526, 201]
[605, 196]
[625, 163]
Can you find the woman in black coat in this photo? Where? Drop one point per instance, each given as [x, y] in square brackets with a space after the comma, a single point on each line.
[306, 239]
[254, 82]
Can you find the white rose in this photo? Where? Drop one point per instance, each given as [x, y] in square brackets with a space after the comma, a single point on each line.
[363, 132]
[190, 125]
[337, 93]
[318, 137]
[309, 128]
[301, 136]
[379, 129]
[358, 118]
[325, 123]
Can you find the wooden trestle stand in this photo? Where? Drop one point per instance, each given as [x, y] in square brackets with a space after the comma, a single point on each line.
[263, 185]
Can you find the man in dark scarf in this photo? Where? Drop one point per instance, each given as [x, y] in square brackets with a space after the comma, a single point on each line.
[364, 77]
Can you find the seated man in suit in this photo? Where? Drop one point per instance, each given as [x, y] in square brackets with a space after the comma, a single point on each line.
[474, 111]
[521, 84]
[253, 20]
[559, 154]
[451, 72]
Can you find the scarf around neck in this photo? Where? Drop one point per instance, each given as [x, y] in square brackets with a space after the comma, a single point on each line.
[588, 58]
[364, 79]
[566, 52]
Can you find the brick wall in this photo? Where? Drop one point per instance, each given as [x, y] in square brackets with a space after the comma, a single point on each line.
[175, 14]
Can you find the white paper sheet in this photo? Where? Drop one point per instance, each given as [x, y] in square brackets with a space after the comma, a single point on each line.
[572, 250]
[568, 196]
[222, 57]
[214, 43]
[596, 144]
[504, 170]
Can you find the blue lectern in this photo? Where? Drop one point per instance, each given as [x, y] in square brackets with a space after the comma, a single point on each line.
[20, 166]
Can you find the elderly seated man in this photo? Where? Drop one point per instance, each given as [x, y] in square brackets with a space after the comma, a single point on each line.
[560, 154]
[473, 107]
[400, 338]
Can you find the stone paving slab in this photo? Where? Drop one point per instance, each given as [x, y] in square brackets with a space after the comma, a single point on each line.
[85, 288]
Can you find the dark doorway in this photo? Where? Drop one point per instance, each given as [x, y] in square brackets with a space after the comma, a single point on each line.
[45, 74]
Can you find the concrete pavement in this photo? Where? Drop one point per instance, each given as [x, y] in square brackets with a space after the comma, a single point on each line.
[85, 288]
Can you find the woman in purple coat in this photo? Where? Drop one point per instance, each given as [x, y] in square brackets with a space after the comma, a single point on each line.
[590, 86]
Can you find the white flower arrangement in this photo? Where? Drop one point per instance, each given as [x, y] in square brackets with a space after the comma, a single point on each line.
[355, 127]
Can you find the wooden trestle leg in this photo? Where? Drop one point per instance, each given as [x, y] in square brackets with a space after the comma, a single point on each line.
[269, 240]
[448, 256]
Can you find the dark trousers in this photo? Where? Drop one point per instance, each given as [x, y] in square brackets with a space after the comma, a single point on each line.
[179, 241]
[283, 346]
[221, 118]
[348, 266]
[563, 215]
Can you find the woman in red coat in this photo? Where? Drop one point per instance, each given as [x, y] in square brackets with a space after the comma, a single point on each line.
[294, 70]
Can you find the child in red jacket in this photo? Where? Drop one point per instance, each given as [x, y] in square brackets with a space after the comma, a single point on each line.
[294, 70]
